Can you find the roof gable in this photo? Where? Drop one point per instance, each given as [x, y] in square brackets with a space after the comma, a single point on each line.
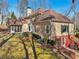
[50, 14]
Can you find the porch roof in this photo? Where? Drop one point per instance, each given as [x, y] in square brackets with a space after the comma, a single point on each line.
[18, 22]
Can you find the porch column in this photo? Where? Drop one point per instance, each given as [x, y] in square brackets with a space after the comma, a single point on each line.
[15, 28]
[62, 41]
[11, 28]
[18, 28]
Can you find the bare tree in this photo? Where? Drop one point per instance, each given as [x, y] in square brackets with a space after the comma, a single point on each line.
[0, 6]
[26, 51]
[22, 7]
[0, 10]
[33, 45]
[5, 6]
[3, 9]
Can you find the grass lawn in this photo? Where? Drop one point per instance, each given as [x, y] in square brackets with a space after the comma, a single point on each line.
[13, 49]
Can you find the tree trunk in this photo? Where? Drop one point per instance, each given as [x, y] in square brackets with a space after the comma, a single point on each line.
[33, 46]
[26, 51]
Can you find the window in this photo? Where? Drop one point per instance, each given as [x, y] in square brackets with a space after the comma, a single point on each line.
[64, 28]
[31, 28]
[48, 29]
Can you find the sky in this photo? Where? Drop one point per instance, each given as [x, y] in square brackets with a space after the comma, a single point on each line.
[60, 6]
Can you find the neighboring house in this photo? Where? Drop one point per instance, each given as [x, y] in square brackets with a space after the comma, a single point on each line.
[3, 28]
[18, 25]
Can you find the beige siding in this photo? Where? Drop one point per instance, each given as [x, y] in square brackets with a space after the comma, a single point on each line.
[58, 28]
[25, 28]
[71, 28]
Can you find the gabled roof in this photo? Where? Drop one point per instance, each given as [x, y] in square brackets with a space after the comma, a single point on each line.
[56, 17]
[14, 22]
[41, 14]
[17, 22]
[43, 17]
[39, 11]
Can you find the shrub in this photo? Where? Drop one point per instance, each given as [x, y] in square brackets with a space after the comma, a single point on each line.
[77, 34]
[51, 42]
[36, 36]
[25, 34]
